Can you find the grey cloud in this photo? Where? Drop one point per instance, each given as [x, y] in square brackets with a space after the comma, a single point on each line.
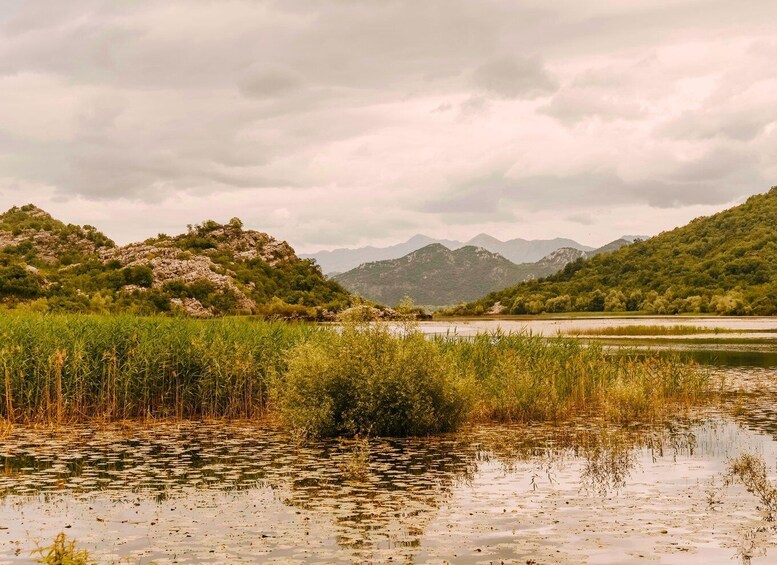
[473, 106]
[515, 77]
[741, 126]
[174, 99]
[269, 82]
[716, 177]
[575, 104]
[583, 218]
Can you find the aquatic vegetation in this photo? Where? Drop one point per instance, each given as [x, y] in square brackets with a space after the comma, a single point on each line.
[377, 495]
[751, 471]
[357, 464]
[63, 552]
[650, 330]
[58, 368]
[367, 379]
[527, 378]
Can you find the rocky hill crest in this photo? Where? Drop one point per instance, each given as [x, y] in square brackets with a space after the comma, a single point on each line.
[211, 269]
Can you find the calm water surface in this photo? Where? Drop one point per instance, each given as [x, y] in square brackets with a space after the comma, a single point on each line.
[241, 492]
[747, 327]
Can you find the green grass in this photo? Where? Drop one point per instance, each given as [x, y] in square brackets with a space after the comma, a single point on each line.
[529, 378]
[356, 379]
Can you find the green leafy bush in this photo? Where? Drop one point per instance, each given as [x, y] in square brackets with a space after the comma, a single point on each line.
[365, 381]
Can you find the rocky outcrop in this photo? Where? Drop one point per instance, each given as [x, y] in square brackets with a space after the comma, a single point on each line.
[169, 263]
[212, 269]
[51, 246]
[191, 307]
[249, 244]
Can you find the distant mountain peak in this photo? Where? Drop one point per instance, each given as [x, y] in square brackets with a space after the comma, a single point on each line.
[484, 238]
[516, 250]
[420, 239]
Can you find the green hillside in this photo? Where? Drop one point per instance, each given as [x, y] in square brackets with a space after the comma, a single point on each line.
[436, 276]
[213, 269]
[722, 264]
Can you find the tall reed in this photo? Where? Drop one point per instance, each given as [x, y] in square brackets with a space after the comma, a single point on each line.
[72, 367]
[523, 378]
[353, 379]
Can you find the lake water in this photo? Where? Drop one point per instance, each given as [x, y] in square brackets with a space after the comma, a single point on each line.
[749, 327]
[583, 492]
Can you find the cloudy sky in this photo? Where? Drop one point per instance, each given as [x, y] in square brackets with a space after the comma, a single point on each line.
[351, 122]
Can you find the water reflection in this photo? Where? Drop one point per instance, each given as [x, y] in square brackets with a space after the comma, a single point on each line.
[522, 491]
[388, 506]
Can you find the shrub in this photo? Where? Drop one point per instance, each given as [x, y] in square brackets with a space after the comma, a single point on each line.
[366, 381]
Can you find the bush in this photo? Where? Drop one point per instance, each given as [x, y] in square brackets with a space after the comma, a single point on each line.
[366, 381]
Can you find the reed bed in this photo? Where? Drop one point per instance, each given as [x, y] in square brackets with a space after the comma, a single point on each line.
[522, 378]
[353, 380]
[650, 330]
[59, 368]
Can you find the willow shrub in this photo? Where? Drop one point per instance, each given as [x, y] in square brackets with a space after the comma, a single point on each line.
[365, 380]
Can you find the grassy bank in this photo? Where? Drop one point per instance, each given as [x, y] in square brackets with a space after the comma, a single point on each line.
[359, 380]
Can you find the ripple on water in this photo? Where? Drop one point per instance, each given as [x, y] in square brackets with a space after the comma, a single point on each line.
[214, 492]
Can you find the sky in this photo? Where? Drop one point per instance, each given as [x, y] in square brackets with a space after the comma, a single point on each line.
[350, 122]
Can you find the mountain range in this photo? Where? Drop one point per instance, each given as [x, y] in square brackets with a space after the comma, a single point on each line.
[435, 275]
[515, 250]
[721, 264]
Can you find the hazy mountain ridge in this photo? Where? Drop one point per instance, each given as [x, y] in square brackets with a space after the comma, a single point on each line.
[438, 276]
[721, 264]
[516, 250]
[212, 269]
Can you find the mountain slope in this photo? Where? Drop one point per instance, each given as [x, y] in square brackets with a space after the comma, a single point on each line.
[515, 250]
[432, 276]
[725, 264]
[211, 270]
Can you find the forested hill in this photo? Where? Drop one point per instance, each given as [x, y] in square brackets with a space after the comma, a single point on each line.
[213, 269]
[437, 276]
[724, 264]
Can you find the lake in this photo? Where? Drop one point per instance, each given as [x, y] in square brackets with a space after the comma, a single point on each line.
[582, 492]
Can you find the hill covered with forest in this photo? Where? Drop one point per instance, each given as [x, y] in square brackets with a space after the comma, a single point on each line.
[435, 275]
[721, 264]
[213, 269]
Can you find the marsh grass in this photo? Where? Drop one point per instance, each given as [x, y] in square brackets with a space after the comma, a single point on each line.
[356, 379]
[62, 552]
[523, 378]
[650, 330]
[71, 368]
